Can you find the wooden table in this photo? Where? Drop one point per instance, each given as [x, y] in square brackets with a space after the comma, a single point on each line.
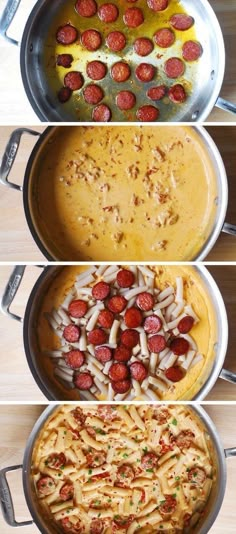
[17, 421]
[16, 242]
[16, 381]
[15, 107]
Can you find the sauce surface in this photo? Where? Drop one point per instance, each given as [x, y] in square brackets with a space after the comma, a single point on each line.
[125, 193]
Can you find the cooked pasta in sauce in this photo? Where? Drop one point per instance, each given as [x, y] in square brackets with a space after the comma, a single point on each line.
[131, 469]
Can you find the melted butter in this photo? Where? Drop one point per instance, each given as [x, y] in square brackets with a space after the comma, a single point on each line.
[137, 193]
[195, 293]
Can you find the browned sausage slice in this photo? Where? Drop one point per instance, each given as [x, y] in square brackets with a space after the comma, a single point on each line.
[97, 336]
[169, 506]
[120, 71]
[122, 354]
[105, 318]
[177, 94]
[83, 381]
[158, 5]
[133, 318]
[108, 12]
[75, 359]
[179, 346]
[64, 94]
[56, 461]
[86, 8]
[125, 278]
[78, 308]
[118, 371]
[192, 51]
[143, 46]
[96, 70]
[74, 80]
[175, 374]
[145, 301]
[147, 113]
[101, 113]
[184, 439]
[185, 324]
[156, 343]
[125, 100]
[124, 476]
[71, 333]
[149, 461]
[116, 41]
[121, 386]
[97, 526]
[130, 338]
[117, 304]
[156, 93]
[164, 37]
[145, 72]
[138, 371]
[181, 21]
[152, 324]
[95, 459]
[133, 17]
[197, 476]
[67, 491]
[93, 94]
[91, 39]
[100, 290]
[46, 485]
[67, 34]
[64, 60]
[103, 354]
[174, 67]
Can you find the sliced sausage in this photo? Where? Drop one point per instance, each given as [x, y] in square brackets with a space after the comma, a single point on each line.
[116, 41]
[122, 354]
[145, 72]
[74, 80]
[118, 371]
[107, 412]
[175, 374]
[67, 34]
[96, 526]
[130, 338]
[67, 491]
[64, 60]
[152, 324]
[95, 459]
[86, 8]
[108, 12]
[122, 523]
[125, 100]
[143, 46]
[184, 440]
[161, 415]
[64, 94]
[133, 17]
[105, 318]
[147, 113]
[121, 386]
[71, 333]
[101, 113]
[174, 67]
[83, 381]
[156, 343]
[179, 346]
[96, 70]
[120, 71]
[117, 304]
[78, 308]
[158, 5]
[100, 290]
[149, 461]
[56, 461]
[78, 415]
[156, 93]
[124, 476]
[91, 39]
[103, 354]
[93, 94]
[197, 476]
[75, 359]
[46, 485]
[185, 324]
[133, 318]
[181, 21]
[145, 301]
[138, 371]
[168, 507]
[192, 50]
[97, 336]
[177, 94]
[125, 278]
[164, 37]
[71, 528]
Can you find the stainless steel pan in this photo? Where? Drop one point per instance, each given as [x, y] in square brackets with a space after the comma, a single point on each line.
[216, 498]
[43, 372]
[46, 244]
[208, 82]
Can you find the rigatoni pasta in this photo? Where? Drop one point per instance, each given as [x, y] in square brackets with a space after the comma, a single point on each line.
[102, 468]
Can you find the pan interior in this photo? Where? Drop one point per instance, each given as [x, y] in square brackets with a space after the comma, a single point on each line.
[94, 192]
[202, 79]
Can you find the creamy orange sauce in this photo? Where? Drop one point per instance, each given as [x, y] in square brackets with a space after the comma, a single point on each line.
[195, 293]
[137, 193]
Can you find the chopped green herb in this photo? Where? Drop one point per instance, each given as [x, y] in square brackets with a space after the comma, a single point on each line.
[125, 455]
[174, 495]
[174, 422]
[149, 470]
[177, 478]
[90, 471]
[145, 449]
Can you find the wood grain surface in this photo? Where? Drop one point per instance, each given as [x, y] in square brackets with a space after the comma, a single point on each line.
[15, 107]
[16, 382]
[17, 421]
[16, 242]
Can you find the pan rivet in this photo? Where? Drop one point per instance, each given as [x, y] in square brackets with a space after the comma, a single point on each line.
[215, 347]
[212, 74]
[31, 47]
[216, 201]
[195, 115]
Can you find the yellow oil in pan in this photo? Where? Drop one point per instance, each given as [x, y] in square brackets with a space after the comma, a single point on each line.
[76, 107]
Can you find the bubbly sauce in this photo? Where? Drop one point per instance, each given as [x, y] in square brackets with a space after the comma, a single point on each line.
[204, 333]
[137, 193]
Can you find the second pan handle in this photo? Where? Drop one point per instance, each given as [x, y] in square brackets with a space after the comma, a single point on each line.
[225, 105]
[9, 155]
[11, 290]
[229, 229]
[7, 17]
[229, 376]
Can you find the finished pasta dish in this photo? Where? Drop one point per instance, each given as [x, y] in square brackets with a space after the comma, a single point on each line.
[102, 469]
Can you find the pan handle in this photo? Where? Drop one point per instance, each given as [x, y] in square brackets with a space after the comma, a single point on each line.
[225, 105]
[10, 155]
[6, 499]
[7, 17]
[228, 375]
[11, 290]
[229, 229]
[230, 452]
